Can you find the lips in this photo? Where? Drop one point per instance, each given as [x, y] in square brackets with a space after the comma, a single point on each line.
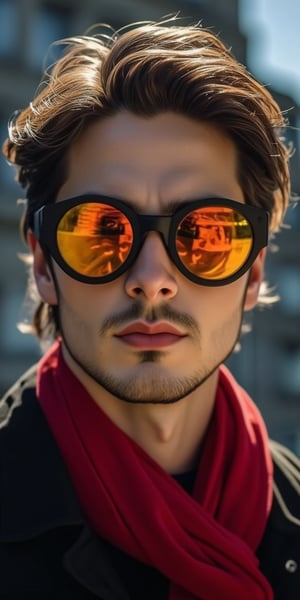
[146, 336]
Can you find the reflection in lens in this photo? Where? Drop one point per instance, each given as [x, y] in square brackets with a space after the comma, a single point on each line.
[214, 242]
[94, 239]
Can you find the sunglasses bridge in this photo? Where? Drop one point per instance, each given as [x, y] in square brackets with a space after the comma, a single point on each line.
[157, 223]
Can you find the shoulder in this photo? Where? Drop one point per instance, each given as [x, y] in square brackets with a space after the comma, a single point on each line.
[36, 492]
[15, 396]
[287, 484]
[23, 427]
[279, 552]
[25, 437]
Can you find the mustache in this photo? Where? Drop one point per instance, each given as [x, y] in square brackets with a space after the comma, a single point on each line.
[162, 313]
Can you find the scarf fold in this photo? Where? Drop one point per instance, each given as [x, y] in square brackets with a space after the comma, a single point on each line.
[205, 543]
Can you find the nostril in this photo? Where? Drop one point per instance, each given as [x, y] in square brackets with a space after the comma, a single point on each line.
[137, 291]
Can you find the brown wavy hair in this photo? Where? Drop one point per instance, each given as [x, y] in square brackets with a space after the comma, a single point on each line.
[146, 69]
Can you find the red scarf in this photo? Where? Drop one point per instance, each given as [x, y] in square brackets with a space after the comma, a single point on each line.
[205, 543]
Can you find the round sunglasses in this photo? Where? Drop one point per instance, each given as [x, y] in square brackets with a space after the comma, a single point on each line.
[94, 239]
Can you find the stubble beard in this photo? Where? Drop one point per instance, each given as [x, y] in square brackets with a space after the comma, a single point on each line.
[152, 385]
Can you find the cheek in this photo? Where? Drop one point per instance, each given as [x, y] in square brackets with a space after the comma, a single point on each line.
[74, 298]
[234, 293]
[90, 302]
[221, 301]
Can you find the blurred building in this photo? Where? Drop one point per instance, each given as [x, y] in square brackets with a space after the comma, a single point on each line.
[269, 362]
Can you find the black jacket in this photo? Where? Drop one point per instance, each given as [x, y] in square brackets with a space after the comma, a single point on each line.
[47, 550]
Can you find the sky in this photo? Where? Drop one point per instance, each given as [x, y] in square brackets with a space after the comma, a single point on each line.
[273, 30]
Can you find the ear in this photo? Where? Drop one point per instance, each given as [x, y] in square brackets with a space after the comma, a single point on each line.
[42, 273]
[255, 278]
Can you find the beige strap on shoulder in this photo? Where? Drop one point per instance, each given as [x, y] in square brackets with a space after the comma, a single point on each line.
[289, 464]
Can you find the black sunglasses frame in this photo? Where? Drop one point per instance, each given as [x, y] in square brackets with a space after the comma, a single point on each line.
[46, 219]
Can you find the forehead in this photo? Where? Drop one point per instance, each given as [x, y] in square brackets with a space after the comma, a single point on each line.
[167, 157]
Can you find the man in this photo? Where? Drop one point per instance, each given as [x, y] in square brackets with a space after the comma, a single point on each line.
[133, 465]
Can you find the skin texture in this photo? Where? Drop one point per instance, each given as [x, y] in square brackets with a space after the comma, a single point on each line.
[168, 388]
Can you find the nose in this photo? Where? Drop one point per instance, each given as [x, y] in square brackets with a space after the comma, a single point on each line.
[152, 274]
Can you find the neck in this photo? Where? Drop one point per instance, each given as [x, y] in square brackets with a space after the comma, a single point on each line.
[171, 434]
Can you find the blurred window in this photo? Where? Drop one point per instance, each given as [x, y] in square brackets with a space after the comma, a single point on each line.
[7, 174]
[8, 28]
[289, 289]
[47, 24]
[289, 369]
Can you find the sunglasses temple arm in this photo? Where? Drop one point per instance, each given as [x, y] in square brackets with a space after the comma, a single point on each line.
[37, 223]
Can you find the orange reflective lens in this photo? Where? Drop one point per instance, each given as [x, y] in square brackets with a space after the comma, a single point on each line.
[213, 242]
[94, 239]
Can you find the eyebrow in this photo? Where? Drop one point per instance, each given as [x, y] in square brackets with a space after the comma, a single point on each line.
[169, 208]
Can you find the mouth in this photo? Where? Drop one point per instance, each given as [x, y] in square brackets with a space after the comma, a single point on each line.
[146, 336]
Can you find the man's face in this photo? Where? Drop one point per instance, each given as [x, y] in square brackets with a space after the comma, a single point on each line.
[150, 335]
